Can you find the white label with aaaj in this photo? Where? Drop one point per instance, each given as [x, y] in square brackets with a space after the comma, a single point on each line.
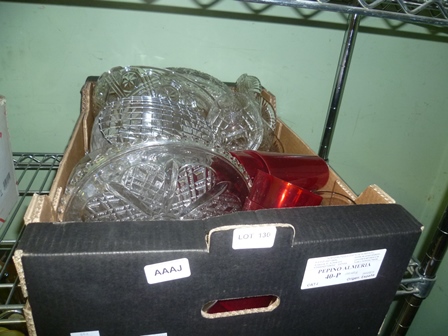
[343, 268]
[167, 271]
[86, 333]
[254, 237]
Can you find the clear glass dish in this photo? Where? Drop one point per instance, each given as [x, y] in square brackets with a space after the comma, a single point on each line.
[160, 181]
[212, 85]
[148, 119]
[251, 86]
[121, 82]
[237, 122]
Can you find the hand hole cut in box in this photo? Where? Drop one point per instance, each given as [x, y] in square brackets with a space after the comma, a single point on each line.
[240, 306]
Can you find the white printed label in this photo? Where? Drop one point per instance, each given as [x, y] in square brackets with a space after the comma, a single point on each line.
[86, 333]
[162, 334]
[344, 268]
[167, 271]
[254, 237]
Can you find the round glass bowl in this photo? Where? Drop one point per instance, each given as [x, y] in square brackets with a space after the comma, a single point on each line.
[145, 119]
[237, 122]
[121, 82]
[251, 86]
[212, 85]
[161, 181]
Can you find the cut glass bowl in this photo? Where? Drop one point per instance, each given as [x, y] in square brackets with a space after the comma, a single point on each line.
[121, 82]
[148, 119]
[161, 181]
[237, 122]
[212, 85]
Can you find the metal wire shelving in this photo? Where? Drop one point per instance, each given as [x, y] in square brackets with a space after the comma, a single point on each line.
[429, 12]
[34, 173]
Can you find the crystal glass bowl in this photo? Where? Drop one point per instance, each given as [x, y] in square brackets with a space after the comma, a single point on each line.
[212, 85]
[160, 181]
[251, 86]
[145, 118]
[237, 122]
[121, 82]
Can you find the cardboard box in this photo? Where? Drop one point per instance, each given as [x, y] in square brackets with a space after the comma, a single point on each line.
[8, 186]
[326, 270]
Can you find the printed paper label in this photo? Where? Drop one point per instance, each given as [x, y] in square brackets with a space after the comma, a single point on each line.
[162, 334]
[86, 333]
[254, 237]
[167, 271]
[344, 268]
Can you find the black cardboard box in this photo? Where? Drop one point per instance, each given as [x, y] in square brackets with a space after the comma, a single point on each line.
[327, 270]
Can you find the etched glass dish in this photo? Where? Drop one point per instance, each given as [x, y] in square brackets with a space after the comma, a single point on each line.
[121, 82]
[251, 86]
[212, 85]
[148, 119]
[160, 181]
[237, 122]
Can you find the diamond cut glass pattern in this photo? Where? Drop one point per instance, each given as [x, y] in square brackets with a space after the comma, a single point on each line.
[154, 181]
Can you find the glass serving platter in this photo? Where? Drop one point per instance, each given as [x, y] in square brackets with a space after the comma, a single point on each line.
[159, 181]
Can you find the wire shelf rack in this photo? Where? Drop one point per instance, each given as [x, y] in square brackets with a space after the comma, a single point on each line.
[432, 12]
[34, 174]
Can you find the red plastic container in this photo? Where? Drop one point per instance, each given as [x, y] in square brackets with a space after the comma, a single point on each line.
[270, 192]
[307, 171]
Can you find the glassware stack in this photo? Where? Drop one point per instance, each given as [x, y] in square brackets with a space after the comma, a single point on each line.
[160, 146]
[138, 104]
[178, 144]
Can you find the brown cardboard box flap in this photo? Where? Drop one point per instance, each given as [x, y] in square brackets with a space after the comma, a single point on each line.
[17, 258]
[39, 210]
[374, 194]
[27, 312]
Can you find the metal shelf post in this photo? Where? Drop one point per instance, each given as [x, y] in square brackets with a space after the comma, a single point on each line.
[339, 84]
[426, 273]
